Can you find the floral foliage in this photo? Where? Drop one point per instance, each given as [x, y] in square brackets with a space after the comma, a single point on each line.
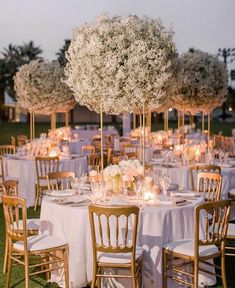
[40, 90]
[120, 63]
[201, 82]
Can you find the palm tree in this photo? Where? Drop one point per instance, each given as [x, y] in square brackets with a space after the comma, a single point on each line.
[61, 54]
[29, 52]
[14, 56]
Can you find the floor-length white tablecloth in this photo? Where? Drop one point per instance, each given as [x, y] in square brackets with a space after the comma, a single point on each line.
[25, 171]
[157, 226]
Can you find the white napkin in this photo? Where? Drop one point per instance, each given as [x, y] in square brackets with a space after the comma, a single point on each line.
[62, 192]
[117, 201]
[185, 194]
[226, 165]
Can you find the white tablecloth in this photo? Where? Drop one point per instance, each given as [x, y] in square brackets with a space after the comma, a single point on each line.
[25, 171]
[180, 176]
[157, 226]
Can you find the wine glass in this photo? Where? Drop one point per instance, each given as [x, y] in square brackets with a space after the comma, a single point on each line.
[165, 183]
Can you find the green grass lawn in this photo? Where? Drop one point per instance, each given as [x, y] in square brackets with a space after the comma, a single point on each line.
[13, 129]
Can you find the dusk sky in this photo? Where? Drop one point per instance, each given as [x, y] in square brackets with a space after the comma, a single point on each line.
[203, 24]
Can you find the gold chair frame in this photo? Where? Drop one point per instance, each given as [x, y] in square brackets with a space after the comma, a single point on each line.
[213, 234]
[44, 165]
[11, 207]
[60, 180]
[210, 184]
[201, 168]
[135, 265]
[7, 149]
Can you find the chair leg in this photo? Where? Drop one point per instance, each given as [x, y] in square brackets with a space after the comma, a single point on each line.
[164, 269]
[94, 276]
[195, 280]
[140, 276]
[66, 269]
[36, 198]
[99, 282]
[5, 255]
[133, 274]
[9, 266]
[26, 270]
[223, 272]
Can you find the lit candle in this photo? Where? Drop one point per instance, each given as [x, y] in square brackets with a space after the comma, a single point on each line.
[197, 154]
[52, 153]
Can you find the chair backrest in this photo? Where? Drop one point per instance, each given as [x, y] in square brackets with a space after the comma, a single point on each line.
[211, 223]
[45, 165]
[195, 169]
[21, 139]
[15, 210]
[88, 150]
[10, 188]
[7, 149]
[109, 141]
[96, 142]
[228, 145]
[130, 150]
[210, 184]
[110, 229]
[1, 171]
[13, 141]
[60, 180]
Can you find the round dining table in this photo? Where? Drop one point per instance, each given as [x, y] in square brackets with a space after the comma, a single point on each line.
[158, 225]
[24, 170]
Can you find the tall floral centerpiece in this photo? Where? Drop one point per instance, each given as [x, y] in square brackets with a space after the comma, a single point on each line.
[40, 90]
[202, 82]
[117, 65]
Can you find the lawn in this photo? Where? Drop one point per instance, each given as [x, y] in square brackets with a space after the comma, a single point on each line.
[13, 129]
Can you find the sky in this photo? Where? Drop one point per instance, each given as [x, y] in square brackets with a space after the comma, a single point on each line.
[203, 24]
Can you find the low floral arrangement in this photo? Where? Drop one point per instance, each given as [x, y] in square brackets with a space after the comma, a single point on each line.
[125, 171]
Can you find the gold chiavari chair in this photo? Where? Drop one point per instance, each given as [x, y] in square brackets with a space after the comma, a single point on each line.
[13, 141]
[96, 142]
[195, 169]
[60, 180]
[7, 149]
[210, 184]
[130, 150]
[44, 165]
[108, 141]
[95, 160]
[10, 188]
[52, 250]
[88, 150]
[1, 174]
[228, 145]
[21, 140]
[113, 252]
[201, 248]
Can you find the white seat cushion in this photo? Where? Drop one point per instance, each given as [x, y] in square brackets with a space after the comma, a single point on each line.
[40, 242]
[186, 247]
[32, 224]
[119, 258]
